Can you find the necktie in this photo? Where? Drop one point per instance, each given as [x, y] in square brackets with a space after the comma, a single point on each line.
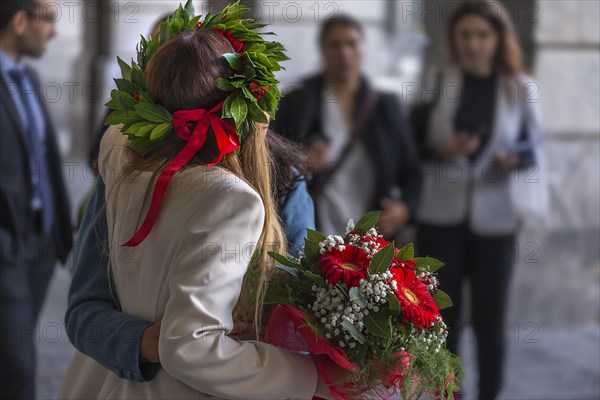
[42, 198]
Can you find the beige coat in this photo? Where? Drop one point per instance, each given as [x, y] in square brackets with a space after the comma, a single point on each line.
[187, 273]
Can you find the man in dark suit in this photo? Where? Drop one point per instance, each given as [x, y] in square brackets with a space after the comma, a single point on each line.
[35, 228]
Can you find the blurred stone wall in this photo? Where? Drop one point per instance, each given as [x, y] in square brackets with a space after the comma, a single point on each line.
[567, 67]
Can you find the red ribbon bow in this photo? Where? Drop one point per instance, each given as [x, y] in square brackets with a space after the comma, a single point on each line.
[227, 141]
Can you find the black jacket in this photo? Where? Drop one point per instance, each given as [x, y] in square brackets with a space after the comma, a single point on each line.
[387, 139]
[16, 214]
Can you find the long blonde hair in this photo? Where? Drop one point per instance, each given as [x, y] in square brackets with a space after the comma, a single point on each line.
[181, 76]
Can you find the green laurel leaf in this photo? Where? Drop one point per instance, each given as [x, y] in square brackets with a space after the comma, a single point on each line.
[126, 86]
[145, 130]
[189, 9]
[134, 128]
[393, 302]
[379, 325]
[233, 59]
[314, 278]
[442, 299]
[353, 331]
[249, 72]
[120, 101]
[429, 263]
[357, 297]
[343, 291]
[313, 235]
[138, 78]
[256, 113]
[406, 253]
[283, 260]
[223, 84]
[311, 250]
[114, 118]
[153, 112]
[382, 259]
[125, 69]
[122, 117]
[238, 109]
[160, 131]
[367, 221]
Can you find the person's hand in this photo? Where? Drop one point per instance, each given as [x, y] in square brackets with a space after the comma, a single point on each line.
[458, 145]
[505, 160]
[394, 215]
[149, 344]
[318, 155]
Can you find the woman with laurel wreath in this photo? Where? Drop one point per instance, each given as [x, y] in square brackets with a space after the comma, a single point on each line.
[186, 264]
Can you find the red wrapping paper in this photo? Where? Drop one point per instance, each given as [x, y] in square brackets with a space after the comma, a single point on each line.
[288, 329]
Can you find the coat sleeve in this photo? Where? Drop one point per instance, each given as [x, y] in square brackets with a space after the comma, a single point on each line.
[298, 213]
[94, 324]
[531, 134]
[297, 114]
[288, 121]
[204, 285]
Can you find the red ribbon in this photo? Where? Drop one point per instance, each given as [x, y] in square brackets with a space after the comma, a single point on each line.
[288, 329]
[227, 141]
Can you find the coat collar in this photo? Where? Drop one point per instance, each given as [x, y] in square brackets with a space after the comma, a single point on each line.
[7, 64]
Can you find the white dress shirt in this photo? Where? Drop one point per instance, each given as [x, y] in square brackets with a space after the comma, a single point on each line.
[349, 192]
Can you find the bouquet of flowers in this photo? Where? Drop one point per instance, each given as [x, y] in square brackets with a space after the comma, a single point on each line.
[370, 308]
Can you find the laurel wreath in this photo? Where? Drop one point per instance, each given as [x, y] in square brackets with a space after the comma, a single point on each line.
[253, 85]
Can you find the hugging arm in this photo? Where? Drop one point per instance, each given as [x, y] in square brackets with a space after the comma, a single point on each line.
[297, 214]
[95, 325]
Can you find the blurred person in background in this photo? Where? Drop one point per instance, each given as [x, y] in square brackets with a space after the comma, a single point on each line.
[474, 144]
[356, 138]
[35, 229]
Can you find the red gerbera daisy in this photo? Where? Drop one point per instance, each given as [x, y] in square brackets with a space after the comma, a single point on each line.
[350, 265]
[417, 305]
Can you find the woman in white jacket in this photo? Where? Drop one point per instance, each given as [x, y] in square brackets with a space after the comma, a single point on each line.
[480, 143]
[190, 270]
